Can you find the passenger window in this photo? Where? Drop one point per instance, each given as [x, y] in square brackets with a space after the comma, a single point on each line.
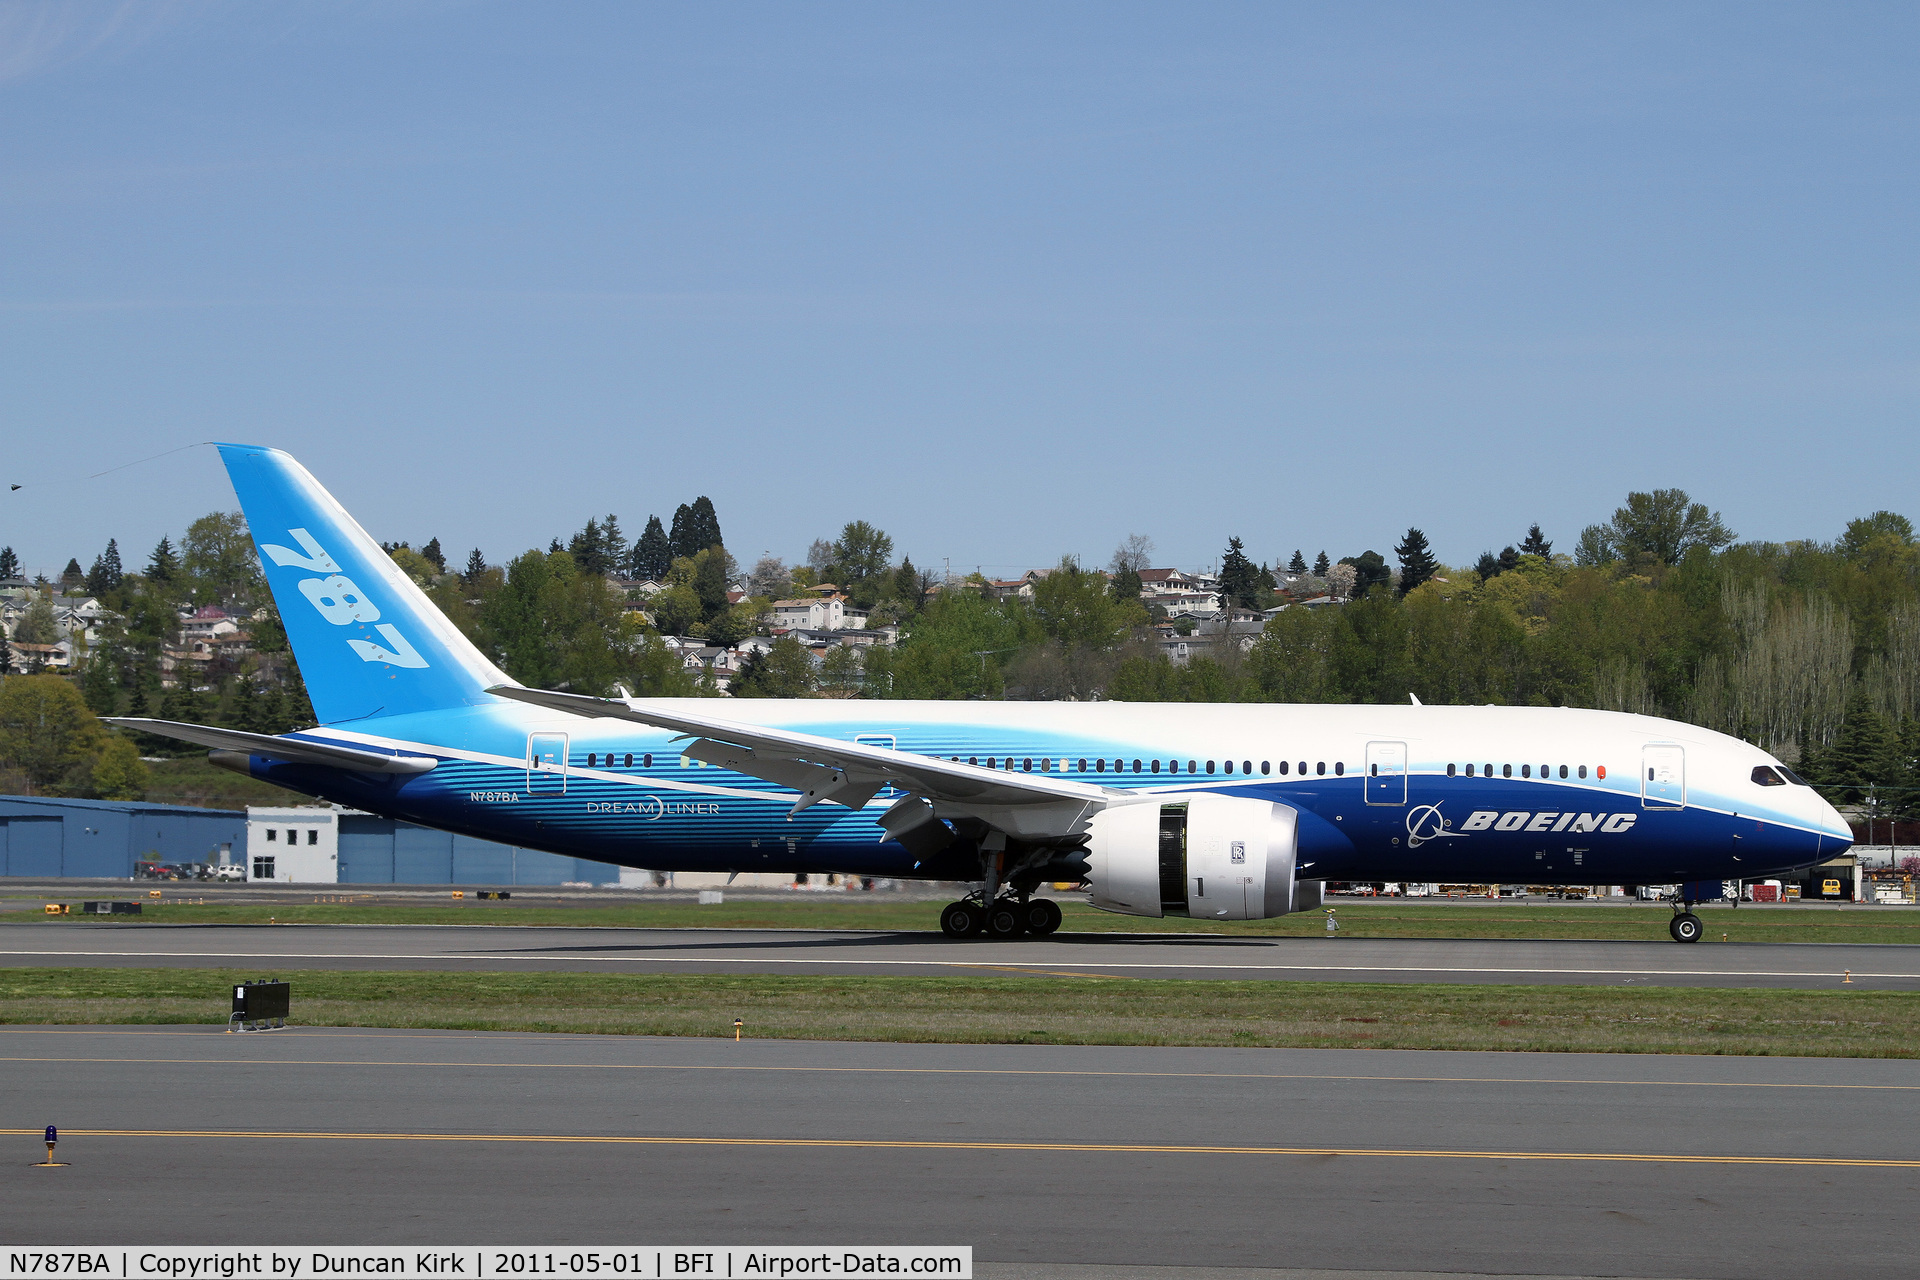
[1320, 768]
[1136, 766]
[1563, 771]
[1506, 771]
[1526, 771]
[1303, 769]
[1266, 767]
[592, 759]
[1285, 768]
[1583, 771]
[1228, 766]
[973, 760]
[1190, 766]
[1083, 766]
[1100, 765]
[1373, 771]
[1156, 767]
[629, 762]
[1246, 766]
[1767, 777]
[1449, 771]
[649, 760]
[1340, 768]
[1209, 766]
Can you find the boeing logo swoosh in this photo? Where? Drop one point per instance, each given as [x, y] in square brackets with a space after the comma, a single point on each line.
[1425, 823]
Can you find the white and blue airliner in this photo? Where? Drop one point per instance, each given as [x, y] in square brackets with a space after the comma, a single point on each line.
[1225, 812]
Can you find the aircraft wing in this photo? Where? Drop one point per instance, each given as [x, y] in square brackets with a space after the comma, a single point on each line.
[847, 773]
[294, 750]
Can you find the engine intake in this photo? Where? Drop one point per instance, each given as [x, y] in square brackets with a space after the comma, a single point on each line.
[1202, 855]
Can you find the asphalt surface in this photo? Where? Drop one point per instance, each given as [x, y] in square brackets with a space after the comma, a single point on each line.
[1046, 1159]
[599, 950]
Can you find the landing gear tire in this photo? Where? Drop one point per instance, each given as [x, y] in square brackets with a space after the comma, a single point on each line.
[1041, 916]
[962, 920]
[1685, 927]
[1006, 919]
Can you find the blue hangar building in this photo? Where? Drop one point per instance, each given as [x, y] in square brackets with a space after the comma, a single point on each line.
[45, 837]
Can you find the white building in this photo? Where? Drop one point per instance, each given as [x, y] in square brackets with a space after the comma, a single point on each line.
[294, 845]
[833, 614]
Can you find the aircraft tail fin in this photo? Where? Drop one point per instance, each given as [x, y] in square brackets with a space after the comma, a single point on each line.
[368, 640]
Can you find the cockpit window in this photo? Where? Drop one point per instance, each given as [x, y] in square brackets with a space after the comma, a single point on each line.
[1793, 777]
[1767, 777]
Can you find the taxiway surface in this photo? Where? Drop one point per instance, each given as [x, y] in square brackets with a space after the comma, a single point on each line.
[1458, 1163]
[607, 950]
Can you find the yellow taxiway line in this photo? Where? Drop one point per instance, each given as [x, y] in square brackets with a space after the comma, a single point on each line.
[1066, 1148]
[452, 1065]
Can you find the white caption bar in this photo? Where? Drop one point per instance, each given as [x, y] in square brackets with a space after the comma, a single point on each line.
[490, 1262]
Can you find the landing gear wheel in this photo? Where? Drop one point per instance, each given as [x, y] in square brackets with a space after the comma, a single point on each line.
[962, 920]
[1686, 927]
[1041, 916]
[1005, 919]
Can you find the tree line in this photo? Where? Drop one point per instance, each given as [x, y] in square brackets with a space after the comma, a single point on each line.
[1810, 649]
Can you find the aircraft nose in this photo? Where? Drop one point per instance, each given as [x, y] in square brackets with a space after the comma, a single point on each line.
[1833, 826]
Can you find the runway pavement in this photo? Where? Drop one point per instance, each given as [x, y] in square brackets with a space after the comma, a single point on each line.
[1052, 1158]
[465, 947]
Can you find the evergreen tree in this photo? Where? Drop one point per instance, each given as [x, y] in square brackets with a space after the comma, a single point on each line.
[73, 575]
[164, 564]
[1321, 565]
[1509, 559]
[106, 574]
[1369, 571]
[476, 565]
[1535, 544]
[679, 538]
[1239, 578]
[9, 563]
[1298, 564]
[1416, 560]
[554, 548]
[706, 526]
[589, 549]
[652, 554]
[432, 554]
[1863, 754]
[614, 544]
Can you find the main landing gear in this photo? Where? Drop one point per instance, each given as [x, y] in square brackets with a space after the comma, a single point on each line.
[1005, 917]
[1685, 926]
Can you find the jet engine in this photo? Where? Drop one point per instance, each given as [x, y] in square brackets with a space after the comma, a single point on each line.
[1207, 856]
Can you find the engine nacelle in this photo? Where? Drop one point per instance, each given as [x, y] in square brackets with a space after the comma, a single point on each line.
[1208, 856]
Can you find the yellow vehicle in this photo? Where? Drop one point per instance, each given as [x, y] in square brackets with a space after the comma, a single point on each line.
[1829, 888]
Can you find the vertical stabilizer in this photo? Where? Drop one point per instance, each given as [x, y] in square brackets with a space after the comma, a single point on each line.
[368, 640]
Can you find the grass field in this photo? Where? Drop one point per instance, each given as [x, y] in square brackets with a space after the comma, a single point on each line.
[1016, 1010]
[1364, 919]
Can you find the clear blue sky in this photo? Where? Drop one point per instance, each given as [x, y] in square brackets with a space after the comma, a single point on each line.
[1007, 280]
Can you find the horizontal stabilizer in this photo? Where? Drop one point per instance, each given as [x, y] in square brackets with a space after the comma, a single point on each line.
[293, 750]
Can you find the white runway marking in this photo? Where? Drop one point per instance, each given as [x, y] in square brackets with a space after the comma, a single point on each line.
[955, 964]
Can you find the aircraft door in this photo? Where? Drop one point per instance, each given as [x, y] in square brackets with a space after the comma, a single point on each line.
[1386, 773]
[546, 764]
[1663, 776]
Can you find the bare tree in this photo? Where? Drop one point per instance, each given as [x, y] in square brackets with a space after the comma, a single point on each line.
[1133, 554]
